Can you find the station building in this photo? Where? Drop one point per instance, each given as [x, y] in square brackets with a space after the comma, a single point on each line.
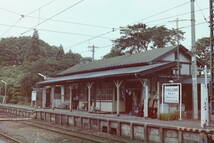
[129, 84]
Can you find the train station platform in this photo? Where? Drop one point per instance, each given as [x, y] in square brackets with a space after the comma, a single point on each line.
[146, 129]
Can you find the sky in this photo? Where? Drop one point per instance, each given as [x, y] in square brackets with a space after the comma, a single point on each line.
[79, 24]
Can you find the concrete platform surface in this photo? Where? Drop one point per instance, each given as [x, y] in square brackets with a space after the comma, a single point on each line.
[121, 118]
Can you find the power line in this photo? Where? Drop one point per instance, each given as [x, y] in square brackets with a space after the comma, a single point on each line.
[187, 26]
[181, 14]
[75, 23]
[205, 19]
[59, 20]
[73, 5]
[95, 37]
[54, 31]
[164, 11]
[22, 16]
[115, 29]
[46, 4]
[9, 11]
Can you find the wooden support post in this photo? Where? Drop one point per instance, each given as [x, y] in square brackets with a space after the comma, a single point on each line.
[146, 98]
[45, 115]
[146, 135]
[118, 84]
[161, 134]
[89, 85]
[62, 94]
[89, 122]
[50, 117]
[158, 98]
[119, 129]
[52, 97]
[55, 118]
[74, 118]
[108, 126]
[180, 136]
[99, 125]
[67, 120]
[71, 97]
[131, 131]
[61, 119]
[44, 97]
[203, 138]
[81, 123]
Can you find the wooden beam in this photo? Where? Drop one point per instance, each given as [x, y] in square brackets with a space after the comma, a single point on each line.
[118, 84]
[71, 97]
[89, 85]
[44, 97]
[52, 97]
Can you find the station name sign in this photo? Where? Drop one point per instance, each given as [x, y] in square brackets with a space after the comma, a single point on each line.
[171, 93]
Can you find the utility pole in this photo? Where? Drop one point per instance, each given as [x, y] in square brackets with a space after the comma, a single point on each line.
[211, 97]
[178, 43]
[93, 51]
[194, 64]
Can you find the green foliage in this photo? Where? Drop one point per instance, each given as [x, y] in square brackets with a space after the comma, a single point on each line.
[113, 53]
[169, 116]
[139, 38]
[203, 50]
[21, 72]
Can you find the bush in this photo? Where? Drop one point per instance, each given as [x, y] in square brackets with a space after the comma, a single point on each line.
[169, 116]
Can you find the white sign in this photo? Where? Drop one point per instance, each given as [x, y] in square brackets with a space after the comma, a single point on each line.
[33, 96]
[204, 106]
[171, 94]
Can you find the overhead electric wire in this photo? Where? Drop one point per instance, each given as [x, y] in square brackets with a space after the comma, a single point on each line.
[22, 16]
[71, 6]
[200, 23]
[164, 11]
[55, 31]
[9, 11]
[115, 29]
[73, 22]
[202, 13]
[181, 14]
[59, 20]
[87, 40]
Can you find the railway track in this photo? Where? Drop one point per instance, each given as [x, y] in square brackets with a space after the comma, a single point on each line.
[75, 133]
[8, 139]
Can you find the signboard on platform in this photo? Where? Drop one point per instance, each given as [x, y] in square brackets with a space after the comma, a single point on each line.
[171, 94]
[33, 96]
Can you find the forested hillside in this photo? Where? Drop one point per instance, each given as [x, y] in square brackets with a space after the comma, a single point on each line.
[22, 58]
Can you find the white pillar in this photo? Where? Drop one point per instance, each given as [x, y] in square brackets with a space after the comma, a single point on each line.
[118, 84]
[62, 94]
[44, 97]
[146, 98]
[89, 85]
[71, 96]
[52, 96]
[204, 106]
[158, 99]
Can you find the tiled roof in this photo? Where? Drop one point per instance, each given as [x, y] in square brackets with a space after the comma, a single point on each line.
[118, 61]
[109, 73]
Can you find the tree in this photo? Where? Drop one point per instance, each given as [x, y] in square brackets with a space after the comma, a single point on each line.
[203, 50]
[139, 38]
[60, 53]
[34, 52]
[113, 53]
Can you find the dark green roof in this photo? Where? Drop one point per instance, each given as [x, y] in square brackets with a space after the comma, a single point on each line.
[138, 58]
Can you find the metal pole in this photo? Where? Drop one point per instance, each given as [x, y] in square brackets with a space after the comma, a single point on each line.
[5, 94]
[5, 91]
[194, 64]
[211, 55]
[180, 87]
